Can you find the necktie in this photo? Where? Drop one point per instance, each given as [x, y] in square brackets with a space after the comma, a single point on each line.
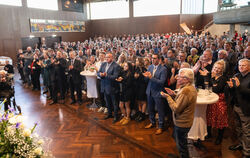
[107, 67]
[155, 68]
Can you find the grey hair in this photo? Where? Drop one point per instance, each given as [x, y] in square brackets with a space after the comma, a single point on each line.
[245, 60]
[188, 73]
[194, 49]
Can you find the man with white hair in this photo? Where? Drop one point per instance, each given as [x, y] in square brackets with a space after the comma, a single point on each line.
[183, 108]
[240, 90]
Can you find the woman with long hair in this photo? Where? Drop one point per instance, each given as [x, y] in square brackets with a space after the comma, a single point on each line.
[126, 90]
[217, 112]
[140, 86]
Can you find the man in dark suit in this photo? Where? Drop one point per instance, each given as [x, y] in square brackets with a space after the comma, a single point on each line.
[108, 72]
[58, 78]
[157, 75]
[75, 77]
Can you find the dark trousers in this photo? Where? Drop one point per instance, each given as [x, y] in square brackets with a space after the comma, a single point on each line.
[100, 94]
[111, 102]
[158, 102]
[75, 87]
[27, 76]
[243, 130]
[35, 79]
[20, 70]
[57, 86]
[180, 135]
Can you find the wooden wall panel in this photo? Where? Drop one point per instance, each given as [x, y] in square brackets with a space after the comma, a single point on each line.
[160, 24]
[15, 25]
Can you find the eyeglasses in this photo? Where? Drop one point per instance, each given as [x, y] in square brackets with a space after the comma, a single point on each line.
[154, 58]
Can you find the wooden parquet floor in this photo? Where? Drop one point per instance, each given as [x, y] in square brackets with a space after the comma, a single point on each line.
[72, 136]
[78, 132]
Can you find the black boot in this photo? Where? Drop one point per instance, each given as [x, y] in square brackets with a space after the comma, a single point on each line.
[219, 137]
[141, 117]
[209, 132]
[138, 115]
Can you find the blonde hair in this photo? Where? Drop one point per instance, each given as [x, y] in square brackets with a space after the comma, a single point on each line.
[221, 62]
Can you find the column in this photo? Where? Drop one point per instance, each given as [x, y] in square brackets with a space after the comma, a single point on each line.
[231, 31]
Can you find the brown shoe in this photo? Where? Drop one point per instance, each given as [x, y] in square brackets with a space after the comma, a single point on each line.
[149, 126]
[159, 131]
[126, 121]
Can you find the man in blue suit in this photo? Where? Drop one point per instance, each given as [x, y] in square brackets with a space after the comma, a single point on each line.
[156, 76]
[108, 72]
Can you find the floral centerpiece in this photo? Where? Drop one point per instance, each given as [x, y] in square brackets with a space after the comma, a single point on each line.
[18, 141]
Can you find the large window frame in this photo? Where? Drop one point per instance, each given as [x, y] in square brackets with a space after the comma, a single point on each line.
[156, 7]
[43, 4]
[108, 10]
[17, 3]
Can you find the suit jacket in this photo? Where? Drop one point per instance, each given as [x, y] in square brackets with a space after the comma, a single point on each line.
[108, 83]
[156, 83]
[74, 73]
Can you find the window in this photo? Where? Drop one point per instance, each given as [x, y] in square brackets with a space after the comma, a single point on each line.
[12, 2]
[210, 6]
[156, 7]
[109, 9]
[241, 2]
[192, 6]
[43, 4]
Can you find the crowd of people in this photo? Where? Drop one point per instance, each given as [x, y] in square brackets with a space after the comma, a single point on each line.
[139, 75]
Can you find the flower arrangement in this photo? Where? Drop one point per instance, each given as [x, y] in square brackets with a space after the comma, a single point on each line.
[18, 141]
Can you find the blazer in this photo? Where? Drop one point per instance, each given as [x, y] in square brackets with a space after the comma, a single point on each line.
[74, 73]
[156, 83]
[108, 83]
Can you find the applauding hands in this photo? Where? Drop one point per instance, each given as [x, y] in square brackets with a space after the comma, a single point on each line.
[147, 74]
[169, 92]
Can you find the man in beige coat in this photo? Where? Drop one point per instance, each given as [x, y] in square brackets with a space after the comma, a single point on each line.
[183, 105]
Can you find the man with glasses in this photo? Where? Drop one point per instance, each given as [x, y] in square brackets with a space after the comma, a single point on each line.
[156, 76]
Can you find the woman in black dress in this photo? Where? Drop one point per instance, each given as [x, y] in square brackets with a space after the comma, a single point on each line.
[126, 90]
[140, 88]
[35, 68]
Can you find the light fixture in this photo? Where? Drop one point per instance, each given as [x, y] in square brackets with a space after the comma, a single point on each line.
[53, 35]
[32, 36]
[66, 4]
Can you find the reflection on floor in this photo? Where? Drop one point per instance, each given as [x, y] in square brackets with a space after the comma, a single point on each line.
[79, 132]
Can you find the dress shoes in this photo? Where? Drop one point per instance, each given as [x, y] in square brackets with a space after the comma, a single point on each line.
[235, 147]
[49, 97]
[73, 102]
[115, 120]
[149, 126]
[218, 141]
[79, 102]
[159, 131]
[108, 117]
[53, 102]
